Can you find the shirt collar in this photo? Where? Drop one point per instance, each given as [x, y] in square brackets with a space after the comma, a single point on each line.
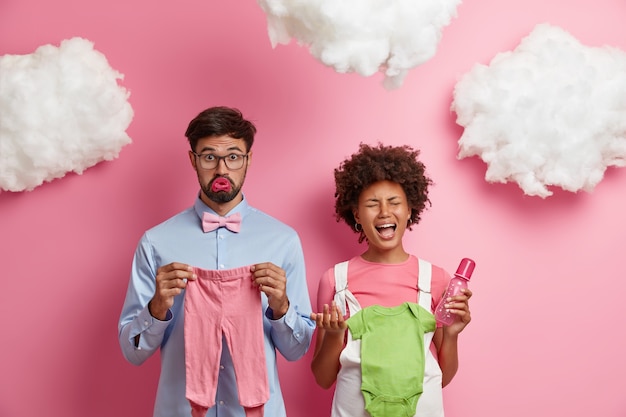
[200, 207]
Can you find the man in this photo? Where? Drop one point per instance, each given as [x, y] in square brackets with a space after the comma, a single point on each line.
[170, 255]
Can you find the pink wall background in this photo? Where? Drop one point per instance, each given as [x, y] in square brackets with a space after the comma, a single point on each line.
[546, 336]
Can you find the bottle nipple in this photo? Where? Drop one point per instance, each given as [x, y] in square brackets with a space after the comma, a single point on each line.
[465, 269]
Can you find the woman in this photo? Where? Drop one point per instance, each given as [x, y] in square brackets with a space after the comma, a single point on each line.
[389, 358]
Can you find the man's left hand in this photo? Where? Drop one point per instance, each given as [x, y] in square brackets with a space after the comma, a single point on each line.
[272, 280]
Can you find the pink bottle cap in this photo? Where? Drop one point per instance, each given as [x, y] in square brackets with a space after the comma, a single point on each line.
[465, 269]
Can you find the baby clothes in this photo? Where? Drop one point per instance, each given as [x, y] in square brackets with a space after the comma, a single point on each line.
[392, 356]
[349, 400]
[224, 302]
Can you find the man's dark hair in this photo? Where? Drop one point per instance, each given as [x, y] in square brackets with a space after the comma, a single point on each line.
[220, 121]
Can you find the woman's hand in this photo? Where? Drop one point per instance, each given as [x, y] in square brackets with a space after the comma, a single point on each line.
[459, 306]
[330, 319]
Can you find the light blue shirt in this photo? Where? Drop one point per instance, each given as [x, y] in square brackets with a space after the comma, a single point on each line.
[181, 239]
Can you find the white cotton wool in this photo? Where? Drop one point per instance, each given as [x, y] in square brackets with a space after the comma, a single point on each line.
[61, 110]
[552, 112]
[362, 36]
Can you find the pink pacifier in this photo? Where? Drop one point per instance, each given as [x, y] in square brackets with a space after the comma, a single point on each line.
[220, 184]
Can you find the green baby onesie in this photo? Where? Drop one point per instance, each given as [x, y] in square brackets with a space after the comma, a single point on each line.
[392, 356]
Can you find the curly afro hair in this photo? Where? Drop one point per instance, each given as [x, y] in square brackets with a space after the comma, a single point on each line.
[372, 164]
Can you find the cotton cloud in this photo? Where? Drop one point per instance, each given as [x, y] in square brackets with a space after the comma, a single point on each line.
[61, 110]
[362, 36]
[552, 112]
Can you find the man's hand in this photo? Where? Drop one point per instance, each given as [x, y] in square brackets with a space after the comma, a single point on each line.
[171, 279]
[273, 282]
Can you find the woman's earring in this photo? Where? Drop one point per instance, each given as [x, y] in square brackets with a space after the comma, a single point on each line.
[357, 227]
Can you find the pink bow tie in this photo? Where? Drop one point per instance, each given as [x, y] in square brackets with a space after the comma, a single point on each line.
[211, 222]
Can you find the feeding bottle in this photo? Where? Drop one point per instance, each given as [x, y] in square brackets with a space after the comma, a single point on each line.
[459, 281]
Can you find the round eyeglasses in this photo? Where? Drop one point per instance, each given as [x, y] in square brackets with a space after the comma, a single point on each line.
[232, 161]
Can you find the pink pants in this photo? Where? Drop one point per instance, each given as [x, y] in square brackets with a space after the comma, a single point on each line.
[224, 302]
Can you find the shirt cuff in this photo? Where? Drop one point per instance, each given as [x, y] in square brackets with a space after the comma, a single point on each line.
[148, 327]
[290, 323]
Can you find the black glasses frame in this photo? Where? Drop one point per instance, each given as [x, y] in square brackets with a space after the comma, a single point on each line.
[220, 158]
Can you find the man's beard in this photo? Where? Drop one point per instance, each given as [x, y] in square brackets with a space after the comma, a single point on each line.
[221, 197]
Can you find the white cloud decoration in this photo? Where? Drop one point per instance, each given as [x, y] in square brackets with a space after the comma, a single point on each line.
[61, 110]
[362, 36]
[552, 112]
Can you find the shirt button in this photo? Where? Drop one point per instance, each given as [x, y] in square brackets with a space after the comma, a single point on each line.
[146, 322]
[221, 236]
[221, 402]
[221, 266]
[221, 366]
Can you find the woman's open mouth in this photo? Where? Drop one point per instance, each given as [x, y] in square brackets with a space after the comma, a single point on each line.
[387, 230]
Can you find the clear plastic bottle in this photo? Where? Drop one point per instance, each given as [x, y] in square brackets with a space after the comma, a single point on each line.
[459, 281]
